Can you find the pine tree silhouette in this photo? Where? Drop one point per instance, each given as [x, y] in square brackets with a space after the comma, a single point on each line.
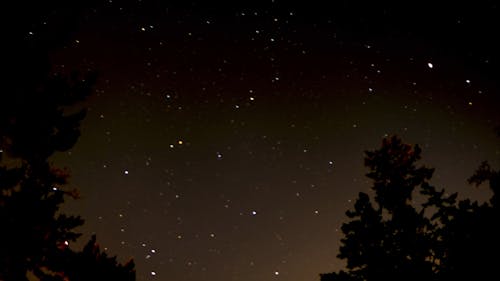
[397, 239]
[388, 240]
[35, 122]
[89, 264]
[34, 233]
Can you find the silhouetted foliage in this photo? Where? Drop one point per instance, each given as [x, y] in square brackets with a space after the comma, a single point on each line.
[37, 119]
[33, 125]
[89, 264]
[467, 236]
[395, 238]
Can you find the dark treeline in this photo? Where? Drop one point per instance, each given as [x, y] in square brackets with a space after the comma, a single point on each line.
[35, 123]
[391, 237]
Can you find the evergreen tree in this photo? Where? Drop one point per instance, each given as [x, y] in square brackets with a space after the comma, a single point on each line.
[32, 127]
[469, 233]
[389, 238]
[37, 119]
[35, 234]
[440, 239]
[89, 264]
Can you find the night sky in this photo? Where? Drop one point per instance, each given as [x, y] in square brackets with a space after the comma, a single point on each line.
[226, 142]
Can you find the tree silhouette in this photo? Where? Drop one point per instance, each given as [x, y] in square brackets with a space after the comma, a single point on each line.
[471, 236]
[465, 232]
[388, 239]
[35, 234]
[38, 117]
[397, 239]
[89, 264]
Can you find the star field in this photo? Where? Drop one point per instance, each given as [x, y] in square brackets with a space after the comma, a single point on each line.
[226, 142]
